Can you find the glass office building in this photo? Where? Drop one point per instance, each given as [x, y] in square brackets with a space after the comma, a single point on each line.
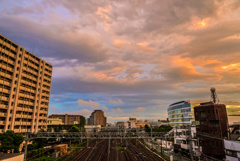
[182, 113]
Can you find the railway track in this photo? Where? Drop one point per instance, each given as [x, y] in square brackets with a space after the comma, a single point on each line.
[143, 154]
[100, 151]
[136, 152]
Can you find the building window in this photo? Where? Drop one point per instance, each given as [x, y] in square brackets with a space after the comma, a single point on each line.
[231, 153]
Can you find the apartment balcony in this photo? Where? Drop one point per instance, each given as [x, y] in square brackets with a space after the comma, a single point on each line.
[6, 91]
[7, 44]
[27, 89]
[24, 109]
[21, 130]
[2, 122]
[42, 124]
[23, 116]
[9, 53]
[6, 75]
[3, 98]
[8, 60]
[26, 102]
[7, 67]
[45, 94]
[28, 83]
[43, 117]
[44, 112]
[3, 106]
[3, 114]
[29, 76]
[30, 70]
[49, 79]
[22, 123]
[13, 48]
[5, 83]
[33, 65]
[26, 96]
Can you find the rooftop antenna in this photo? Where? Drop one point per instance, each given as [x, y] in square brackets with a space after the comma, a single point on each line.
[214, 97]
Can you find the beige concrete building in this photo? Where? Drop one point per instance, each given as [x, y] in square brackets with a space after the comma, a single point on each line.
[97, 118]
[25, 83]
[67, 119]
[54, 121]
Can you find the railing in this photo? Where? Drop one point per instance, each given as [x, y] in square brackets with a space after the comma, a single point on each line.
[97, 135]
[3, 114]
[2, 122]
[5, 83]
[24, 109]
[3, 106]
[4, 98]
[6, 75]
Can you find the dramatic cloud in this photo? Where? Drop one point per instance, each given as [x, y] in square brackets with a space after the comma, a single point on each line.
[90, 103]
[104, 107]
[122, 55]
[141, 109]
[117, 111]
[118, 101]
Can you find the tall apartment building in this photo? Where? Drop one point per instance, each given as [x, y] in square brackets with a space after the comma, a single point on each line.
[25, 82]
[67, 119]
[97, 118]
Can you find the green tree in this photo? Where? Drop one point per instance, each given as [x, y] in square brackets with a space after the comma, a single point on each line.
[147, 128]
[40, 142]
[10, 140]
[82, 121]
[74, 128]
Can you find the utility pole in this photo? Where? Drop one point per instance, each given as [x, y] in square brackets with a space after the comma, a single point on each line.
[190, 143]
[161, 145]
[26, 143]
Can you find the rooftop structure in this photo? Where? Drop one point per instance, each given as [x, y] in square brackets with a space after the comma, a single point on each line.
[25, 83]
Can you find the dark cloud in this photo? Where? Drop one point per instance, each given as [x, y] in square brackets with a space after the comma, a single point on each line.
[141, 52]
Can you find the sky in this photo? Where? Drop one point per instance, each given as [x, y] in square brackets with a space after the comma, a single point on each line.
[130, 58]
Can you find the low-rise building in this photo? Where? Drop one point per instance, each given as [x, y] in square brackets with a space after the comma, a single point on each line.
[140, 124]
[92, 128]
[54, 121]
[232, 150]
[181, 138]
[126, 125]
[67, 119]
